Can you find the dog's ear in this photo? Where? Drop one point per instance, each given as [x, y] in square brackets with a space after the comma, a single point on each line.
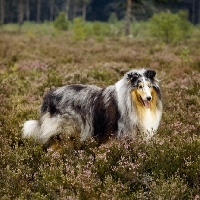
[150, 74]
[132, 77]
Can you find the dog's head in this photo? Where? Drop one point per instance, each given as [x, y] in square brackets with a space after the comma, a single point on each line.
[135, 75]
[143, 85]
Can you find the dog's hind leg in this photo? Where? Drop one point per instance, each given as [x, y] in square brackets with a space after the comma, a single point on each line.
[53, 143]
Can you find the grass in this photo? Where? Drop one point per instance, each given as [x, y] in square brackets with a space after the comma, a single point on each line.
[38, 58]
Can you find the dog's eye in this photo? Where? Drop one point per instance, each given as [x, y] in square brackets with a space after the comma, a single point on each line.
[140, 86]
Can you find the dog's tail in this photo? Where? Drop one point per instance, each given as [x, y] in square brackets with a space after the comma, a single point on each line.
[31, 128]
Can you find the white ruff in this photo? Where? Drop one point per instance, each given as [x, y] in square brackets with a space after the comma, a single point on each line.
[150, 122]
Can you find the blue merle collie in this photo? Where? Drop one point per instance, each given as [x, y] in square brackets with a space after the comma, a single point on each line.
[133, 103]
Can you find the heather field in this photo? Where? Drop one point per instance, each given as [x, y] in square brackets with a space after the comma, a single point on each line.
[37, 58]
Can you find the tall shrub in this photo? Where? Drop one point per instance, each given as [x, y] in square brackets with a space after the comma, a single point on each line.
[78, 29]
[113, 18]
[170, 27]
[61, 23]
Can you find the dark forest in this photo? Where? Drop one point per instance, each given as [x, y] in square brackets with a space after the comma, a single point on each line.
[13, 11]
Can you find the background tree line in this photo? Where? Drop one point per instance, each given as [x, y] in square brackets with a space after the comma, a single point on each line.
[18, 11]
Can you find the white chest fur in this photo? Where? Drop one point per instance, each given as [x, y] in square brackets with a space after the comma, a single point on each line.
[148, 122]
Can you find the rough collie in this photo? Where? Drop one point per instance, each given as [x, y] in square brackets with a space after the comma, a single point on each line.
[134, 102]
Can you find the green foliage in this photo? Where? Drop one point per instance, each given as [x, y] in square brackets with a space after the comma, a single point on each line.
[78, 30]
[113, 18]
[61, 23]
[172, 188]
[185, 55]
[101, 29]
[169, 27]
[99, 74]
[97, 30]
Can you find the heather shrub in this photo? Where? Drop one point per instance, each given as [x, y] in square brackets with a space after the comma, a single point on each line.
[61, 23]
[101, 75]
[169, 27]
[166, 167]
[179, 154]
[172, 188]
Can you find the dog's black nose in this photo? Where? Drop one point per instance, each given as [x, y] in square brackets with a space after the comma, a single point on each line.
[148, 98]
